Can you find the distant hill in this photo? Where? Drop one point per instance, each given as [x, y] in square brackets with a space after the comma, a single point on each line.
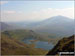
[64, 45]
[9, 26]
[11, 46]
[58, 25]
[21, 34]
[4, 26]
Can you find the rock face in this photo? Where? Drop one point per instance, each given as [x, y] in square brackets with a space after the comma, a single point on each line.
[64, 45]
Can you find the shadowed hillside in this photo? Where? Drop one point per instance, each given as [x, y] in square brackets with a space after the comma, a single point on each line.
[64, 45]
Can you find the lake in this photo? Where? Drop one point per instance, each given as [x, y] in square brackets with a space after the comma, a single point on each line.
[39, 44]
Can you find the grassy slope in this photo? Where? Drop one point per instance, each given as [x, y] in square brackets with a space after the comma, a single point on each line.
[23, 34]
[10, 46]
[64, 45]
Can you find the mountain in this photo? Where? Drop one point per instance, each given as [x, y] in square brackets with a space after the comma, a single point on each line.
[23, 24]
[10, 26]
[4, 26]
[58, 25]
[11, 46]
[19, 25]
[63, 45]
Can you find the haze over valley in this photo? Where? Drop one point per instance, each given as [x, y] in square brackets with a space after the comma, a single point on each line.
[37, 27]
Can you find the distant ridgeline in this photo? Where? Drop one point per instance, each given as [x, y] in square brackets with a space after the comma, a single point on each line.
[57, 26]
[64, 45]
[22, 34]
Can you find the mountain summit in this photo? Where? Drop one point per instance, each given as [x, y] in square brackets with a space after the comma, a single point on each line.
[57, 18]
[58, 25]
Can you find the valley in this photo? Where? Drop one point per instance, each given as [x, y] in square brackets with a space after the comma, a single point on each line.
[30, 37]
[37, 28]
[10, 46]
[35, 37]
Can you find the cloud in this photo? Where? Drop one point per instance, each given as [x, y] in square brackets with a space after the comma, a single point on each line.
[36, 15]
[68, 12]
[50, 12]
[9, 12]
[3, 2]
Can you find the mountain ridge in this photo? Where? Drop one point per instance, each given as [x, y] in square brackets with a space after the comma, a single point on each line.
[56, 25]
[63, 45]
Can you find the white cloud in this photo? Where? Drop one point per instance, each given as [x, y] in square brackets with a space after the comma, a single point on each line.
[68, 12]
[50, 12]
[3, 2]
[36, 15]
[9, 12]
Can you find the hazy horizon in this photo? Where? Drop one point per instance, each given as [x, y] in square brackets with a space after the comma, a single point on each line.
[36, 21]
[37, 27]
[16, 11]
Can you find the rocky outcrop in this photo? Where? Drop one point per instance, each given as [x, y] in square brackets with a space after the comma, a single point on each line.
[64, 45]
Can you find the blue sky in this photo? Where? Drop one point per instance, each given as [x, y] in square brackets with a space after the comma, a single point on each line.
[32, 7]
[36, 5]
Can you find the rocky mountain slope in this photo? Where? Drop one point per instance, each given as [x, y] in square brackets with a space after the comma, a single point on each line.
[64, 45]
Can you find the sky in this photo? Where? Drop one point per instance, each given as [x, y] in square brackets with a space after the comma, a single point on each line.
[15, 11]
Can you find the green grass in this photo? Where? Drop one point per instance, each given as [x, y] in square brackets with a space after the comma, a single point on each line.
[11, 46]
